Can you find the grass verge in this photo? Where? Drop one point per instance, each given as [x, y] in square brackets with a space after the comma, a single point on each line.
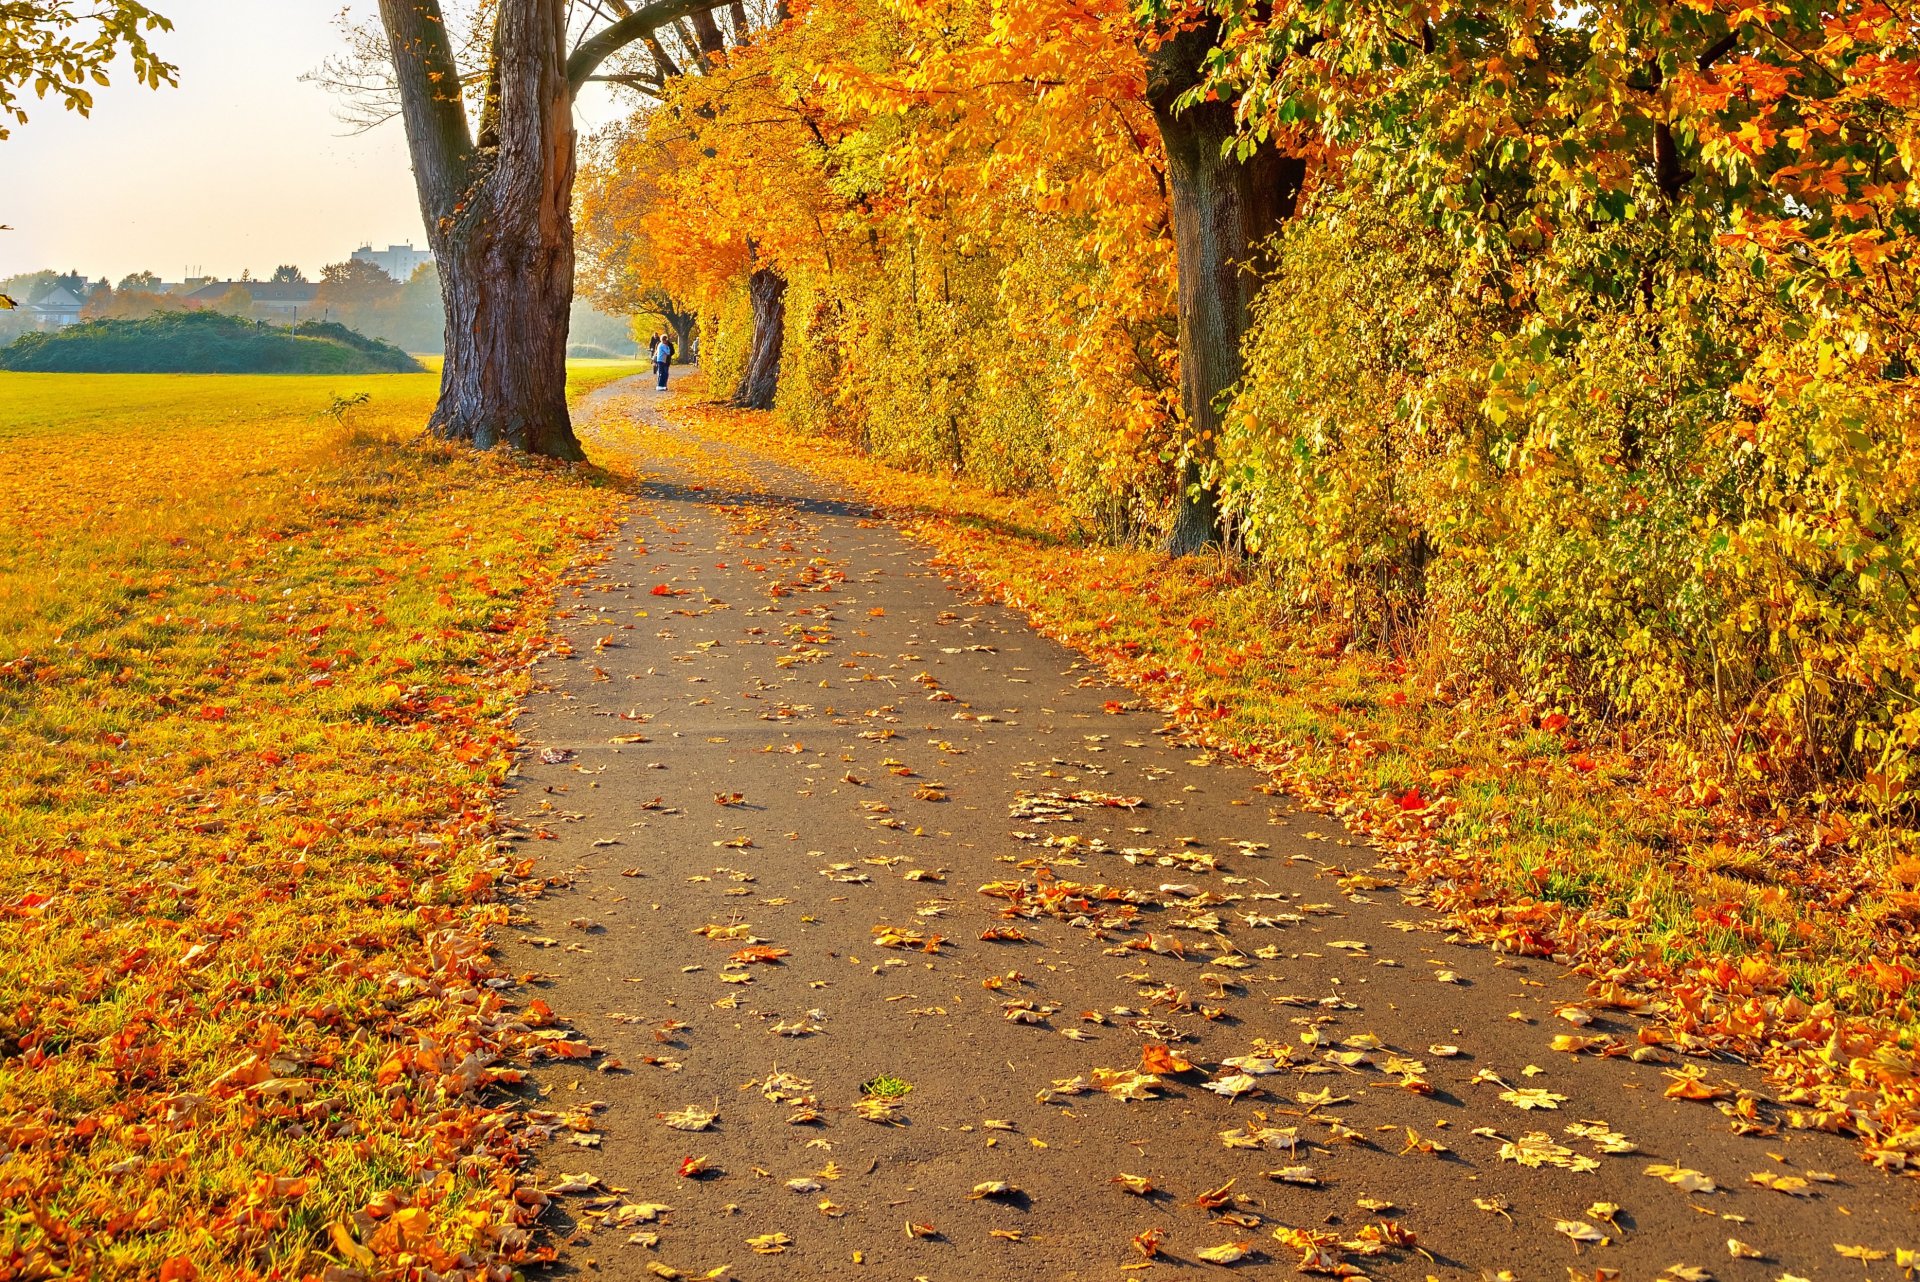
[258, 651]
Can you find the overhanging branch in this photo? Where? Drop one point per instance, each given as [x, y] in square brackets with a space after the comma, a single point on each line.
[636, 26]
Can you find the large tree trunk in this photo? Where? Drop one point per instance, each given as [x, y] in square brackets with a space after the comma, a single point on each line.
[1223, 210]
[499, 216]
[760, 380]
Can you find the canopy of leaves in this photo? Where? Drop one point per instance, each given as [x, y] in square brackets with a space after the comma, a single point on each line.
[61, 48]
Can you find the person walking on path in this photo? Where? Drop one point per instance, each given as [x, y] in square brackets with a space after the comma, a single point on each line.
[662, 358]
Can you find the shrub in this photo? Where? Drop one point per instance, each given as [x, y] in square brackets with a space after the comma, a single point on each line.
[204, 343]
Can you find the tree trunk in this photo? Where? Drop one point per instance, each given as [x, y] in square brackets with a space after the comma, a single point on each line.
[682, 324]
[499, 217]
[1223, 211]
[761, 379]
[507, 288]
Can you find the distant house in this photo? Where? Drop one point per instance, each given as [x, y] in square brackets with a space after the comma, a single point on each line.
[272, 300]
[397, 261]
[55, 308]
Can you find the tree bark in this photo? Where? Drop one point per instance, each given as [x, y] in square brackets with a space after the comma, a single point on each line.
[499, 211]
[682, 324]
[707, 31]
[499, 218]
[1223, 211]
[760, 381]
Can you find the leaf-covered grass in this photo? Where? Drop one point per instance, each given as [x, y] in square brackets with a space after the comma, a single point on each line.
[1759, 933]
[255, 666]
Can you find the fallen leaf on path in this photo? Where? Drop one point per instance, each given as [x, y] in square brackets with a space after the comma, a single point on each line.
[1601, 1136]
[1536, 1149]
[1235, 1085]
[1683, 1178]
[1226, 1253]
[1124, 1084]
[1138, 1185]
[1792, 1185]
[1689, 1087]
[993, 1188]
[1580, 1231]
[582, 1183]
[1267, 1137]
[1531, 1097]
[1302, 1175]
[1214, 1199]
[1156, 1058]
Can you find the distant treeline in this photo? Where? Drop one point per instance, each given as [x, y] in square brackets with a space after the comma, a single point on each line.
[354, 293]
[204, 342]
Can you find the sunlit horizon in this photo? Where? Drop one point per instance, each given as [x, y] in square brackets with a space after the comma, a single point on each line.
[240, 168]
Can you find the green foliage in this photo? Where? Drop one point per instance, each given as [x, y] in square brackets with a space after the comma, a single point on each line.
[886, 1086]
[203, 343]
[727, 333]
[949, 362]
[1558, 478]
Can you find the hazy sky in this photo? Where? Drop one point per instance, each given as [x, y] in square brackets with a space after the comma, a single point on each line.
[241, 166]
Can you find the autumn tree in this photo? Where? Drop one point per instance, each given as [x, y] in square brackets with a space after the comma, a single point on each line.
[493, 149]
[624, 268]
[1229, 194]
[288, 274]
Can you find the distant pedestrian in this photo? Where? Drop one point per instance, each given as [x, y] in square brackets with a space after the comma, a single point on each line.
[662, 358]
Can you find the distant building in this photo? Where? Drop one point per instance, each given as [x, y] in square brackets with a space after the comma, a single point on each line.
[397, 261]
[56, 308]
[275, 300]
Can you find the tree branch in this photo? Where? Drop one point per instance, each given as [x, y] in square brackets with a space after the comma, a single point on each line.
[430, 99]
[635, 26]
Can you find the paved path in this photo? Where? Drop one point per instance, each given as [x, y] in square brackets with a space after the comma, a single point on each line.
[784, 758]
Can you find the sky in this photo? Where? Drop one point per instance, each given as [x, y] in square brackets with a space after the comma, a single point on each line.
[242, 166]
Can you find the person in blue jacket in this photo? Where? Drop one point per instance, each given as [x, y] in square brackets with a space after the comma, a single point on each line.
[662, 359]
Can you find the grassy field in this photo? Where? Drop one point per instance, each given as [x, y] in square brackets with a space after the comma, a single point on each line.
[256, 650]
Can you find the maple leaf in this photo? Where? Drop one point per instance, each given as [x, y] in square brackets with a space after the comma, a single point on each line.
[1157, 1058]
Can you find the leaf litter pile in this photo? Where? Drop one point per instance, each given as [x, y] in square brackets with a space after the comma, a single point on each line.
[1204, 940]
